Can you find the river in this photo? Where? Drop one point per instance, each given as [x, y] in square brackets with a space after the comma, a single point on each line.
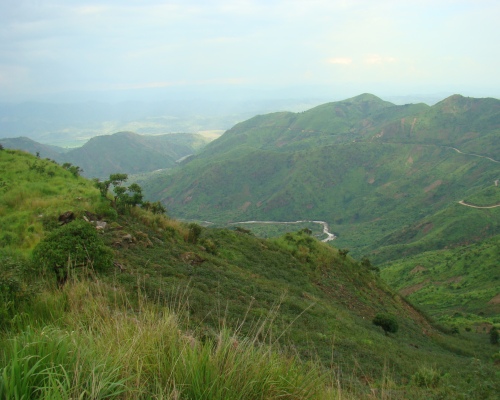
[326, 229]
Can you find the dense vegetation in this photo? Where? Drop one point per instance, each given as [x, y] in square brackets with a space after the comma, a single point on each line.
[459, 286]
[192, 312]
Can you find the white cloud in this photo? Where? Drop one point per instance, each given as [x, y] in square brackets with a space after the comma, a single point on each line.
[377, 59]
[340, 60]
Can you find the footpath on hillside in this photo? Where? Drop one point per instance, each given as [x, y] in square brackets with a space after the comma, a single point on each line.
[475, 155]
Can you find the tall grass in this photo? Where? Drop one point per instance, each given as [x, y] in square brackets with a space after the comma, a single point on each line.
[51, 363]
[101, 348]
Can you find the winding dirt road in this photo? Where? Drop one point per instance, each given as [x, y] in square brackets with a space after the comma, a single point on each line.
[470, 205]
[475, 155]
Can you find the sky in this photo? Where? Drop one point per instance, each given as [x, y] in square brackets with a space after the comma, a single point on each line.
[123, 49]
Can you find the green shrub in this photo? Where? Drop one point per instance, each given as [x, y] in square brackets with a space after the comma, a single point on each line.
[194, 233]
[387, 322]
[494, 335]
[72, 245]
[104, 210]
[210, 246]
[426, 377]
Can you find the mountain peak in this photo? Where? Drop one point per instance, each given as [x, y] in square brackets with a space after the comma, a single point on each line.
[459, 104]
[366, 97]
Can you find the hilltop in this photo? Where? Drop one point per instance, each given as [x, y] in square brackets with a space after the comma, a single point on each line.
[309, 302]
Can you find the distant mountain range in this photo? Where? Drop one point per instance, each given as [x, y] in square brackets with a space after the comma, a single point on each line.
[124, 152]
[387, 178]
[71, 124]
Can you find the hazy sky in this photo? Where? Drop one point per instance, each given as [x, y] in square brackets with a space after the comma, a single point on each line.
[393, 46]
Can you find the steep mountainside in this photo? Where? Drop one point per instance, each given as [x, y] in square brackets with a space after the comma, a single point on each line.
[309, 300]
[331, 123]
[469, 124]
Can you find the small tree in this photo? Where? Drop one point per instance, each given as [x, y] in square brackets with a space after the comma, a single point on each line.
[343, 252]
[102, 186]
[136, 195]
[74, 169]
[194, 232]
[114, 179]
[117, 179]
[365, 262]
[387, 322]
[155, 208]
[494, 336]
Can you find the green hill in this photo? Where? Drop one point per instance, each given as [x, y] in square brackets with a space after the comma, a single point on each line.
[192, 312]
[26, 144]
[359, 165]
[122, 151]
[469, 124]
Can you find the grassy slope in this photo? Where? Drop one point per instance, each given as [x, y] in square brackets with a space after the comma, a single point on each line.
[308, 299]
[32, 193]
[459, 286]
[26, 144]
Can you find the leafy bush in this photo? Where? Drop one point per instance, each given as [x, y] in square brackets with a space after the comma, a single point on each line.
[387, 322]
[210, 246]
[427, 377]
[494, 335]
[156, 207]
[194, 232]
[72, 245]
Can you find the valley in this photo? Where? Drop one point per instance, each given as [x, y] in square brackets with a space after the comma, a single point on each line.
[288, 234]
